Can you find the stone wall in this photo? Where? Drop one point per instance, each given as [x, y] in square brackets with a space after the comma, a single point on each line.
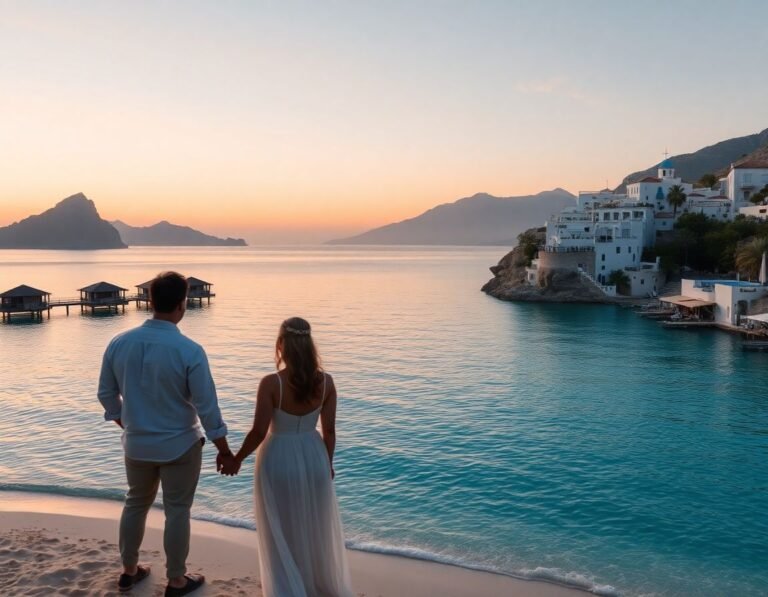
[568, 261]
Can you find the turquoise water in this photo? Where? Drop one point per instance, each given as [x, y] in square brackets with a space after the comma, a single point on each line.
[576, 443]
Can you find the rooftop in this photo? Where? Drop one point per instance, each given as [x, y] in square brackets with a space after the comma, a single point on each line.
[23, 291]
[102, 287]
[750, 165]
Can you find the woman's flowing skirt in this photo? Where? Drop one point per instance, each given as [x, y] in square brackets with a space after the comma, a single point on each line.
[301, 540]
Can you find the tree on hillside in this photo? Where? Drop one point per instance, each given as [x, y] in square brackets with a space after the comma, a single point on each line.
[529, 242]
[708, 180]
[750, 255]
[676, 198]
[761, 195]
[620, 280]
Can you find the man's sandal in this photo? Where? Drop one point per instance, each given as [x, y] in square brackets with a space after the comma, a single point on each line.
[194, 582]
[126, 581]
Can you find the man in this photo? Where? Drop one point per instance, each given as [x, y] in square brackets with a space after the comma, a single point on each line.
[156, 384]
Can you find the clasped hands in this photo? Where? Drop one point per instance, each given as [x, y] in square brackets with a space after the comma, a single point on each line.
[227, 464]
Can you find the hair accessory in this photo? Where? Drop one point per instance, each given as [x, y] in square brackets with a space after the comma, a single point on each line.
[298, 332]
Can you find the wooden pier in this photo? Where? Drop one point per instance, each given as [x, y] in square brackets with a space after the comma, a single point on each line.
[25, 300]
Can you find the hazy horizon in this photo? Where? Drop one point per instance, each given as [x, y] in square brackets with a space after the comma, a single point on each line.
[328, 120]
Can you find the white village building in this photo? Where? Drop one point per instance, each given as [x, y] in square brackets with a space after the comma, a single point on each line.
[608, 231]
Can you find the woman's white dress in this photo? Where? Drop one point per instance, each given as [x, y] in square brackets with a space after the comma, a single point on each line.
[301, 540]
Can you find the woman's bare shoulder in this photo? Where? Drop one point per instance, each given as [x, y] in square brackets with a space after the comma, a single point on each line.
[269, 381]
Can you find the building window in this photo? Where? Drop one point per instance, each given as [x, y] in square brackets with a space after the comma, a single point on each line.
[602, 257]
[602, 268]
[642, 281]
[618, 250]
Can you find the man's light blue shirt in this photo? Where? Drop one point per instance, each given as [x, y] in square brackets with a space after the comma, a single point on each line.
[158, 383]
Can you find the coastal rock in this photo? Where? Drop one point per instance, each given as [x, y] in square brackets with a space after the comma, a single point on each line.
[554, 285]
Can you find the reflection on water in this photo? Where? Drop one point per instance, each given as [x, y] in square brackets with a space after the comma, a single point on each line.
[575, 439]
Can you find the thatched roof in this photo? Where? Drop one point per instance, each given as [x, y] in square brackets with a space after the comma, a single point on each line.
[23, 291]
[102, 287]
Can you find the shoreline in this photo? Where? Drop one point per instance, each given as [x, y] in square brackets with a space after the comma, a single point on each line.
[61, 540]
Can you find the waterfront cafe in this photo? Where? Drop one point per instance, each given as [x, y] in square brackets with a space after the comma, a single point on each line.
[725, 302]
[690, 308]
[756, 325]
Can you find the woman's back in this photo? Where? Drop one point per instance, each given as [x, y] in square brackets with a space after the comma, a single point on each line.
[301, 541]
[292, 416]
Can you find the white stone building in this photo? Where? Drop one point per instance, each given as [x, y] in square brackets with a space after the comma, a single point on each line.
[744, 180]
[613, 229]
[654, 190]
[755, 211]
[731, 299]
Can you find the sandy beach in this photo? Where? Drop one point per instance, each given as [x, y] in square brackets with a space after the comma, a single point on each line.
[51, 545]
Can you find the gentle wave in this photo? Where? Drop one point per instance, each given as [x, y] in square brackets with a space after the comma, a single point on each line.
[571, 580]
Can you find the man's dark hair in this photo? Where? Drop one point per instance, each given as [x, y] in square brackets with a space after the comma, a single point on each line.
[167, 290]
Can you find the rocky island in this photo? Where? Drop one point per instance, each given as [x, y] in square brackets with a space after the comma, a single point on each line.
[72, 224]
[165, 234]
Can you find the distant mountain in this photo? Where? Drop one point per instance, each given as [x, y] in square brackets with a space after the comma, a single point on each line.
[759, 156]
[72, 224]
[478, 220]
[709, 160]
[167, 234]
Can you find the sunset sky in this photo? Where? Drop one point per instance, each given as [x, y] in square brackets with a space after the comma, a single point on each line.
[307, 120]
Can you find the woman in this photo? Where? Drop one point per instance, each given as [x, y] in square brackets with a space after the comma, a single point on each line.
[301, 541]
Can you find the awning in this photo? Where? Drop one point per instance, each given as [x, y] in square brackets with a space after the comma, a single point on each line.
[685, 301]
[759, 317]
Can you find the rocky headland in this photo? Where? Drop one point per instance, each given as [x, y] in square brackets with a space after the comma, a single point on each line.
[553, 285]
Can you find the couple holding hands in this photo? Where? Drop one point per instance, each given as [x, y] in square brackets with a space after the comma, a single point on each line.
[155, 383]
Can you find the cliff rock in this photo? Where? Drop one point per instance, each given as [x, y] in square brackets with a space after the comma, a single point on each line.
[552, 285]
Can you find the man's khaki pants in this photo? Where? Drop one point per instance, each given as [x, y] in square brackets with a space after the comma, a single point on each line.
[179, 480]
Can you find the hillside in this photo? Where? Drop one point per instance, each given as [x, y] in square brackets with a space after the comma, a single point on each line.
[708, 160]
[478, 220]
[72, 224]
[167, 234]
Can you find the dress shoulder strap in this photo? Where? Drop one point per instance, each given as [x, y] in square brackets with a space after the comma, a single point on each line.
[325, 379]
[280, 383]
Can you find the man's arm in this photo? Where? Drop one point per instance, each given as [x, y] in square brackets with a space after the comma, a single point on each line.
[109, 390]
[203, 396]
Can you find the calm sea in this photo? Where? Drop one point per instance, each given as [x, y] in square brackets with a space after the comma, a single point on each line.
[575, 443]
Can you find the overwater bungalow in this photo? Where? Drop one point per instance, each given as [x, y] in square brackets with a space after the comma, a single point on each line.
[142, 293]
[103, 295]
[24, 299]
[199, 290]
